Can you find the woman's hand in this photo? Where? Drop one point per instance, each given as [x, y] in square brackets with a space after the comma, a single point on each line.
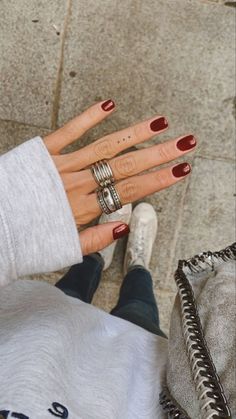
[131, 183]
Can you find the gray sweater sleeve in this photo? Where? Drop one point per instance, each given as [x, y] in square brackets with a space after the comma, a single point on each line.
[37, 228]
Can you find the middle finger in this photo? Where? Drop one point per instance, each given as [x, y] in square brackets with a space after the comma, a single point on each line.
[132, 163]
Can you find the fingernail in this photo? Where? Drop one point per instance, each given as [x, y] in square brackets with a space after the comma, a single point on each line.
[181, 169]
[120, 231]
[186, 143]
[108, 105]
[159, 124]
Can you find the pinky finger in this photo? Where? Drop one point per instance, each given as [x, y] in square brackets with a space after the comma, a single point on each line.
[138, 187]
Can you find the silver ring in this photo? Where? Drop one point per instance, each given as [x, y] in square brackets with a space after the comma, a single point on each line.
[108, 199]
[101, 203]
[115, 196]
[102, 173]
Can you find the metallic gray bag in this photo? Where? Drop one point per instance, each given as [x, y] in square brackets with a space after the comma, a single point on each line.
[200, 379]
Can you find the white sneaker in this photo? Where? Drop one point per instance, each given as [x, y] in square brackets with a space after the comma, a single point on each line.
[123, 215]
[143, 230]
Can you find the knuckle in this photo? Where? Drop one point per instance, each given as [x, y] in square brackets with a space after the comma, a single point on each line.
[84, 122]
[90, 113]
[83, 219]
[161, 180]
[83, 214]
[104, 149]
[140, 131]
[89, 244]
[163, 152]
[86, 247]
[88, 117]
[135, 130]
[126, 166]
[129, 191]
[93, 241]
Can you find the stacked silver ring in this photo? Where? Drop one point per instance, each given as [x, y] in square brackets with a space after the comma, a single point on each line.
[107, 196]
[109, 199]
[102, 173]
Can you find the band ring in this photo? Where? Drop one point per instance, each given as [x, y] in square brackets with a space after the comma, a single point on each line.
[109, 199]
[101, 203]
[115, 196]
[102, 173]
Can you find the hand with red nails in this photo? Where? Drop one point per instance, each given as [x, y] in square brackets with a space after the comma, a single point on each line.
[131, 181]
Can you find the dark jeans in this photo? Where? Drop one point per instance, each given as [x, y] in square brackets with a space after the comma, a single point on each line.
[136, 302]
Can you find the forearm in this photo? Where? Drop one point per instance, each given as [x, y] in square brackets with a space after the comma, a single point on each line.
[37, 229]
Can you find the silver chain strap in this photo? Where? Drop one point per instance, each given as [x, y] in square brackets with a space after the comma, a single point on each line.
[210, 392]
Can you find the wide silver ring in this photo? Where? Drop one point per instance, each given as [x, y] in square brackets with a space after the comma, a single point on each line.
[109, 199]
[102, 173]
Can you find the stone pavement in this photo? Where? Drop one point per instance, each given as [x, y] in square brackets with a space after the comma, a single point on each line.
[170, 57]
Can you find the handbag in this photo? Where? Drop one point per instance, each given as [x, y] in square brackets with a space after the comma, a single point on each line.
[200, 375]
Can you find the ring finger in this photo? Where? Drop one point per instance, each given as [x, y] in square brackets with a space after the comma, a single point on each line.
[129, 190]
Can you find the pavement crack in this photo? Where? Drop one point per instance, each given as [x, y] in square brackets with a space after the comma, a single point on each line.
[230, 3]
[58, 82]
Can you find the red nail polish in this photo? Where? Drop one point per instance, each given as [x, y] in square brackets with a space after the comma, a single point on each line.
[181, 169]
[120, 231]
[159, 124]
[108, 105]
[186, 143]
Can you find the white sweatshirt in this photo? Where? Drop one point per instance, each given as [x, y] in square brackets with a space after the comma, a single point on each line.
[60, 357]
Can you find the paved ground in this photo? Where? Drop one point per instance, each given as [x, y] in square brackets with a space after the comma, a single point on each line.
[157, 56]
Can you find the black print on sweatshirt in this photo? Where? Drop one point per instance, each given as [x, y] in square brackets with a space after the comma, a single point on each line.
[57, 410]
[4, 414]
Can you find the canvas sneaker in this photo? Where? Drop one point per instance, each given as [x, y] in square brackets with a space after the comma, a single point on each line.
[123, 215]
[143, 230]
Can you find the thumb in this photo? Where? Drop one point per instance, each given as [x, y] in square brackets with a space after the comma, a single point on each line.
[96, 238]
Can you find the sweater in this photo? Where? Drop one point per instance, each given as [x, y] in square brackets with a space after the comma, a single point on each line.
[61, 357]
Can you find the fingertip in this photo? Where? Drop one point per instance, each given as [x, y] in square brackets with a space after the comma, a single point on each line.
[120, 231]
[159, 124]
[186, 143]
[181, 170]
[108, 105]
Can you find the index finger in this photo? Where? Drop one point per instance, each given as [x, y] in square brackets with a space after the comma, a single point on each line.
[111, 145]
[76, 127]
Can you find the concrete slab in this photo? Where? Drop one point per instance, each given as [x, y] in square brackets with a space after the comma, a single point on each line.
[171, 58]
[30, 53]
[208, 218]
[106, 296]
[165, 301]
[12, 134]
